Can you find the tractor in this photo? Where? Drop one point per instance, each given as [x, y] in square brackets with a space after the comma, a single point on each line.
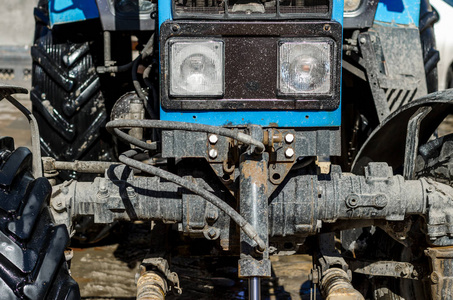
[233, 130]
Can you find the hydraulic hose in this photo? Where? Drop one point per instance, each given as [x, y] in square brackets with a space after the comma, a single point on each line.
[172, 125]
[196, 189]
[147, 51]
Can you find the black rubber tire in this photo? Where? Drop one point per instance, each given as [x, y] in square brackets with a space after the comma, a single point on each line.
[435, 160]
[66, 95]
[429, 16]
[32, 260]
[449, 81]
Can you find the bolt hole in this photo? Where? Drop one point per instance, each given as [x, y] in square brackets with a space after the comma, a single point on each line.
[194, 117]
[226, 177]
[306, 117]
[276, 176]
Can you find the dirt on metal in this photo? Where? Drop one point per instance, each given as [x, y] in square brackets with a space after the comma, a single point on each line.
[101, 274]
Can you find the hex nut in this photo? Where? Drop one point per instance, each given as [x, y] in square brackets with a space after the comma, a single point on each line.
[212, 233]
[289, 153]
[212, 153]
[213, 139]
[289, 138]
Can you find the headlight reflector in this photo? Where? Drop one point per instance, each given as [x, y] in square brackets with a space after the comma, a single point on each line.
[196, 67]
[305, 67]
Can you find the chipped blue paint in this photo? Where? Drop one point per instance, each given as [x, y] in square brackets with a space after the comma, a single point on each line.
[68, 11]
[402, 12]
[269, 118]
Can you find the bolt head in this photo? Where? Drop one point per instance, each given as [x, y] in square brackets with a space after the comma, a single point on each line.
[289, 153]
[362, 40]
[212, 153]
[289, 138]
[213, 139]
[130, 191]
[212, 233]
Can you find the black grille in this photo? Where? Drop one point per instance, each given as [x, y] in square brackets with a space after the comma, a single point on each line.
[253, 9]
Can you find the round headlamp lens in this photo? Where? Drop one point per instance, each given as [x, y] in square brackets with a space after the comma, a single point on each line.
[196, 68]
[351, 5]
[305, 67]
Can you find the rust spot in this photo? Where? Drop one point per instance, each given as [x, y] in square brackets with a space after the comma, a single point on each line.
[256, 171]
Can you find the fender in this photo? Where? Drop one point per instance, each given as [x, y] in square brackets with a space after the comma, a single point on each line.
[390, 135]
[69, 11]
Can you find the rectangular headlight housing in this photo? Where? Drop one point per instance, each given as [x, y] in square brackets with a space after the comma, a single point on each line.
[251, 62]
[197, 67]
[305, 66]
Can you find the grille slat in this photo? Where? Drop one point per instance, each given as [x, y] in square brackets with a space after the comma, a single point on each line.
[252, 8]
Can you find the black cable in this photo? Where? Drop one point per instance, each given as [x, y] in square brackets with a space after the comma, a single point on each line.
[137, 86]
[239, 136]
[196, 189]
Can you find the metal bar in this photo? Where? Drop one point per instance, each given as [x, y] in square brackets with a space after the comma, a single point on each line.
[254, 288]
[107, 49]
[370, 64]
[254, 208]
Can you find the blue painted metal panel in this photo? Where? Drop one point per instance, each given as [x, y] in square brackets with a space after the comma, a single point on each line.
[271, 118]
[338, 10]
[67, 11]
[404, 12]
[263, 118]
[164, 11]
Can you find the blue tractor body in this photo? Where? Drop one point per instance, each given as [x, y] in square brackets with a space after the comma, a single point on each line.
[265, 118]
[68, 11]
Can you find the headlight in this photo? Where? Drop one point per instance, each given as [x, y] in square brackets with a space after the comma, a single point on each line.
[351, 5]
[196, 67]
[305, 67]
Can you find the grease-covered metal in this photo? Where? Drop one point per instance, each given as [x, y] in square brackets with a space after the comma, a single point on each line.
[441, 277]
[253, 201]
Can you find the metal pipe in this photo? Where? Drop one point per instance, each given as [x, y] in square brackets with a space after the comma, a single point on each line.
[254, 288]
[254, 207]
[107, 49]
[97, 167]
